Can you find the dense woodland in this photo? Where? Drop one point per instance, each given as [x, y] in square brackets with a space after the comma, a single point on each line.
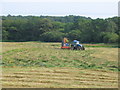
[53, 29]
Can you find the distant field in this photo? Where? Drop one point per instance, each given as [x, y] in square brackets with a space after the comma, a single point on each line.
[35, 64]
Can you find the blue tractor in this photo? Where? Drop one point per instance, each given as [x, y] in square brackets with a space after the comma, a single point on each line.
[75, 45]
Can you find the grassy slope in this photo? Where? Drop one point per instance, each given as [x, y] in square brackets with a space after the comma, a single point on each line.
[92, 67]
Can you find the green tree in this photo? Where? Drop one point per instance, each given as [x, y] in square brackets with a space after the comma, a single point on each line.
[53, 36]
[109, 37]
[111, 26]
[74, 34]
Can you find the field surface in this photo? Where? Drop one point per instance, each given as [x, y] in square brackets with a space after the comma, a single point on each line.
[45, 65]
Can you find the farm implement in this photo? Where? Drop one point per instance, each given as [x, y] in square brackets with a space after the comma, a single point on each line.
[74, 45]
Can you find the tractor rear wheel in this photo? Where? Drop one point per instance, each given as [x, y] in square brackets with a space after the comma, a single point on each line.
[72, 47]
[79, 48]
[82, 48]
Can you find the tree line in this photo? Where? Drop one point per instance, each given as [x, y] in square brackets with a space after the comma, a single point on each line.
[53, 29]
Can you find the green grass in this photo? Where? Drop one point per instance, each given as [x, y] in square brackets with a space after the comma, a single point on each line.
[50, 55]
[102, 45]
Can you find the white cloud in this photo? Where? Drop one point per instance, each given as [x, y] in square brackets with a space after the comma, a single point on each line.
[60, 0]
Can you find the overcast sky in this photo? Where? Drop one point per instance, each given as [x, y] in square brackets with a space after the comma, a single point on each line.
[88, 8]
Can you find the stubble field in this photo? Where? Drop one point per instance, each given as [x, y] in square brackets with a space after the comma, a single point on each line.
[45, 65]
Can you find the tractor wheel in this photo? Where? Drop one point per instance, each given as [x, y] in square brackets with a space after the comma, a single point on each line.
[72, 47]
[79, 48]
[82, 48]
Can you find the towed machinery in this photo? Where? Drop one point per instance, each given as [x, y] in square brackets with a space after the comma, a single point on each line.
[74, 45]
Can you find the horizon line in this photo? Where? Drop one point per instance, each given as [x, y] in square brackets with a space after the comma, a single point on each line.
[61, 16]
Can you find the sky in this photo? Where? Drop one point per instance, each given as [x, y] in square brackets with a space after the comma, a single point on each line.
[87, 8]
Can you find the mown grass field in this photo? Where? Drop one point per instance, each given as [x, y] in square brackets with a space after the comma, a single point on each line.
[45, 65]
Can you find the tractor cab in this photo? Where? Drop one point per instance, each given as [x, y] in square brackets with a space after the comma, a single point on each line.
[75, 42]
